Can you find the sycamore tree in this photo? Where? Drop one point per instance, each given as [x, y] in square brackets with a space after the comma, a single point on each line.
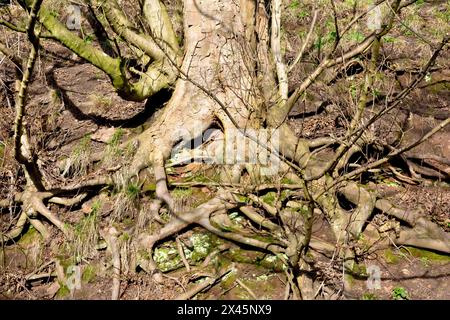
[225, 66]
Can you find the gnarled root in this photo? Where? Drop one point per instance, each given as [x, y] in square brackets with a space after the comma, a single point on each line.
[111, 238]
[425, 234]
[178, 223]
[32, 205]
[422, 232]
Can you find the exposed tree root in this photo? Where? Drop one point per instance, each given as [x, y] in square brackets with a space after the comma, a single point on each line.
[250, 291]
[111, 238]
[182, 255]
[32, 205]
[423, 233]
[226, 79]
[204, 284]
[178, 223]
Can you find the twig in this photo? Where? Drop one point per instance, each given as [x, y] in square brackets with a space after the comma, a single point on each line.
[203, 285]
[305, 43]
[247, 289]
[182, 255]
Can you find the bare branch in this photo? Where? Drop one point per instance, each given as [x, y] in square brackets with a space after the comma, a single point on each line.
[276, 50]
[305, 43]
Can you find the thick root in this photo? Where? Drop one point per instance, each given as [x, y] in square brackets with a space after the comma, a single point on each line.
[427, 235]
[178, 223]
[423, 233]
[113, 246]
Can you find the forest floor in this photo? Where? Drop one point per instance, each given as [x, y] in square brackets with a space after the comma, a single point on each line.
[73, 112]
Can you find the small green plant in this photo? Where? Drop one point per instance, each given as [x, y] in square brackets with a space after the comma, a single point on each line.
[126, 201]
[389, 39]
[79, 161]
[294, 4]
[63, 291]
[100, 101]
[303, 14]
[89, 38]
[353, 91]
[322, 41]
[114, 142]
[400, 293]
[269, 198]
[88, 274]
[356, 36]
[369, 296]
[55, 96]
[86, 234]
[132, 191]
[113, 149]
[182, 192]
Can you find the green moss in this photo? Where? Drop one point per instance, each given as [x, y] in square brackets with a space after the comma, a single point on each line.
[149, 187]
[349, 279]
[88, 274]
[143, 254]
[265, 238]
[426, 254]
[66, 261]
[269, 198]
[268, 262]
[392, 183]
[63, 291]
[2, 150]
[181, 193]
[285, 194]
[287, 181]
[30, 237]
[228, 281]
[390, 256]
[263, 277]
[202, 245]
[389, 39]
[242, 198]
[167, 257]
[359, 269]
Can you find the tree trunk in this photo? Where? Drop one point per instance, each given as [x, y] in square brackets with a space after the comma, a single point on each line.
[224, 67]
